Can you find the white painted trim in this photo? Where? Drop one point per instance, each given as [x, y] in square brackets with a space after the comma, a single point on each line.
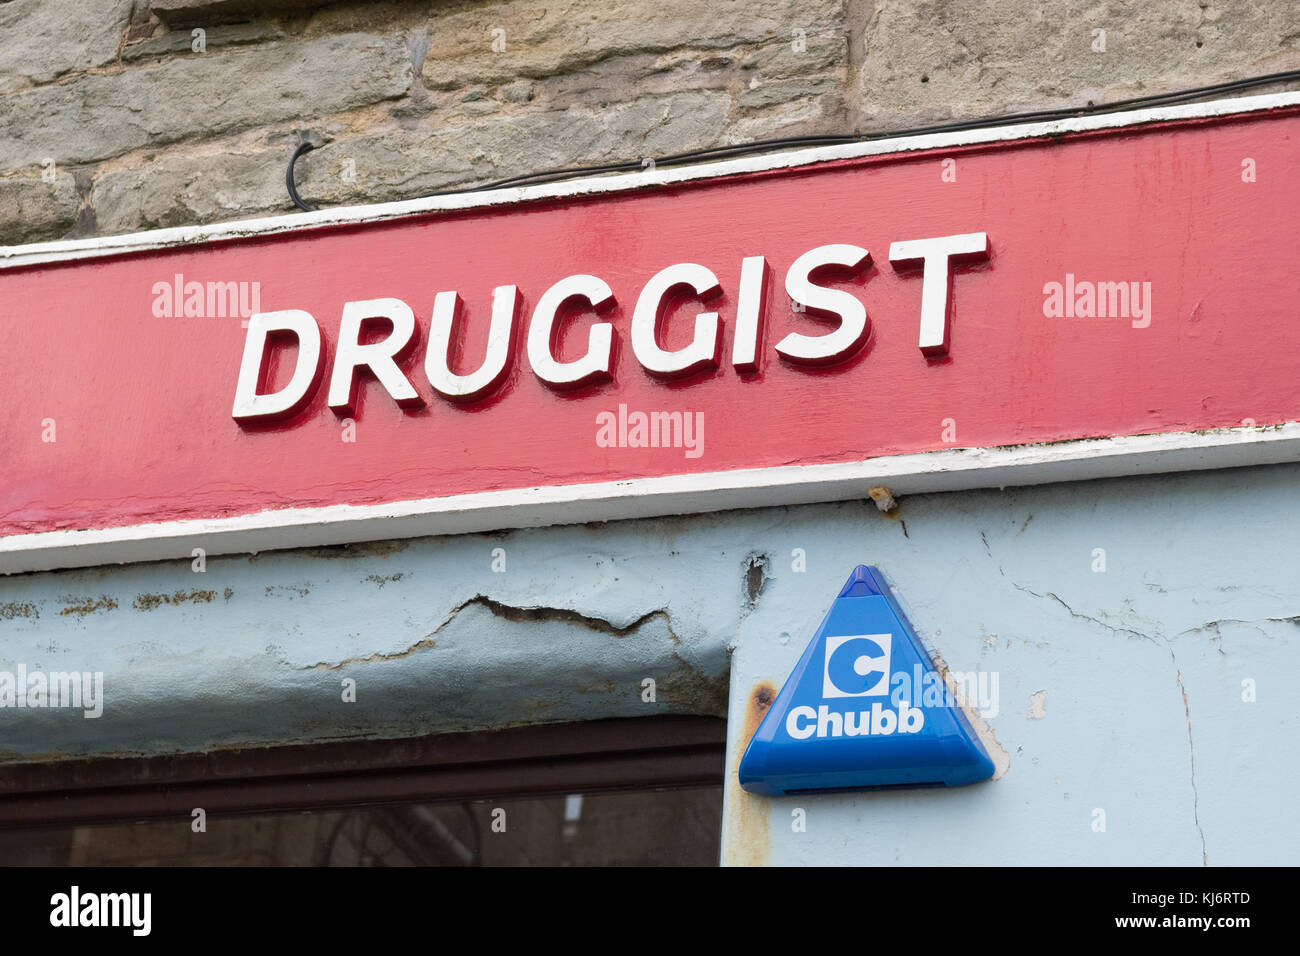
[35, 253]
[946, 470]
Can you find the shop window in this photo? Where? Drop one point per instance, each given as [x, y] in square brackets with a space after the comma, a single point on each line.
[617, 792]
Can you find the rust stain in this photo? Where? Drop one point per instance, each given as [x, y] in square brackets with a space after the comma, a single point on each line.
[760, 700]
[148, 602]
[90, 606]
[880, 500]
[749, 835]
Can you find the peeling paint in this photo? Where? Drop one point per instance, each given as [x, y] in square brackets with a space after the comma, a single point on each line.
[13, 609]
[756, 572]
[287, 589]
[671, 599]
[1038, 705]
[90, 606]
[148, 602]
[883, 497]
[982, 728]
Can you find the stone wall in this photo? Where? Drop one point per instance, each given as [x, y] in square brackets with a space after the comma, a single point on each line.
[123, 115]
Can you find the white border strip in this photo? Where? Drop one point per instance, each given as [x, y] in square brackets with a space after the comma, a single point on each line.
[35, 253]
[946, 470]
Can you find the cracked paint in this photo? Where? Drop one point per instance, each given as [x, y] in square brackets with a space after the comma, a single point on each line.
[587, 612]
[1084, 617]
[561, 614]
[1191, 751]
[518, 615]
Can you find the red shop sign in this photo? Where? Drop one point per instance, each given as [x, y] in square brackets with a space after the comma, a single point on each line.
[1110, 295]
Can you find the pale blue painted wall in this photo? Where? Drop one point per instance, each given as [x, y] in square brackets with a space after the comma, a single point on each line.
[1202, 579]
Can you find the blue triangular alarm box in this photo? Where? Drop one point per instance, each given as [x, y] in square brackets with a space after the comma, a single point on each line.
[864, 708]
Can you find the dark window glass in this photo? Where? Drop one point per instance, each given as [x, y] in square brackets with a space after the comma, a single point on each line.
[659, 827]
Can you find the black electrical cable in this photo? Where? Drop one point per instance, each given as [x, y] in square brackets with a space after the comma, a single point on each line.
[830, 139]
[288, 176]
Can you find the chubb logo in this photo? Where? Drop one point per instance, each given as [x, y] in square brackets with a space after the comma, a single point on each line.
[856, 665]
